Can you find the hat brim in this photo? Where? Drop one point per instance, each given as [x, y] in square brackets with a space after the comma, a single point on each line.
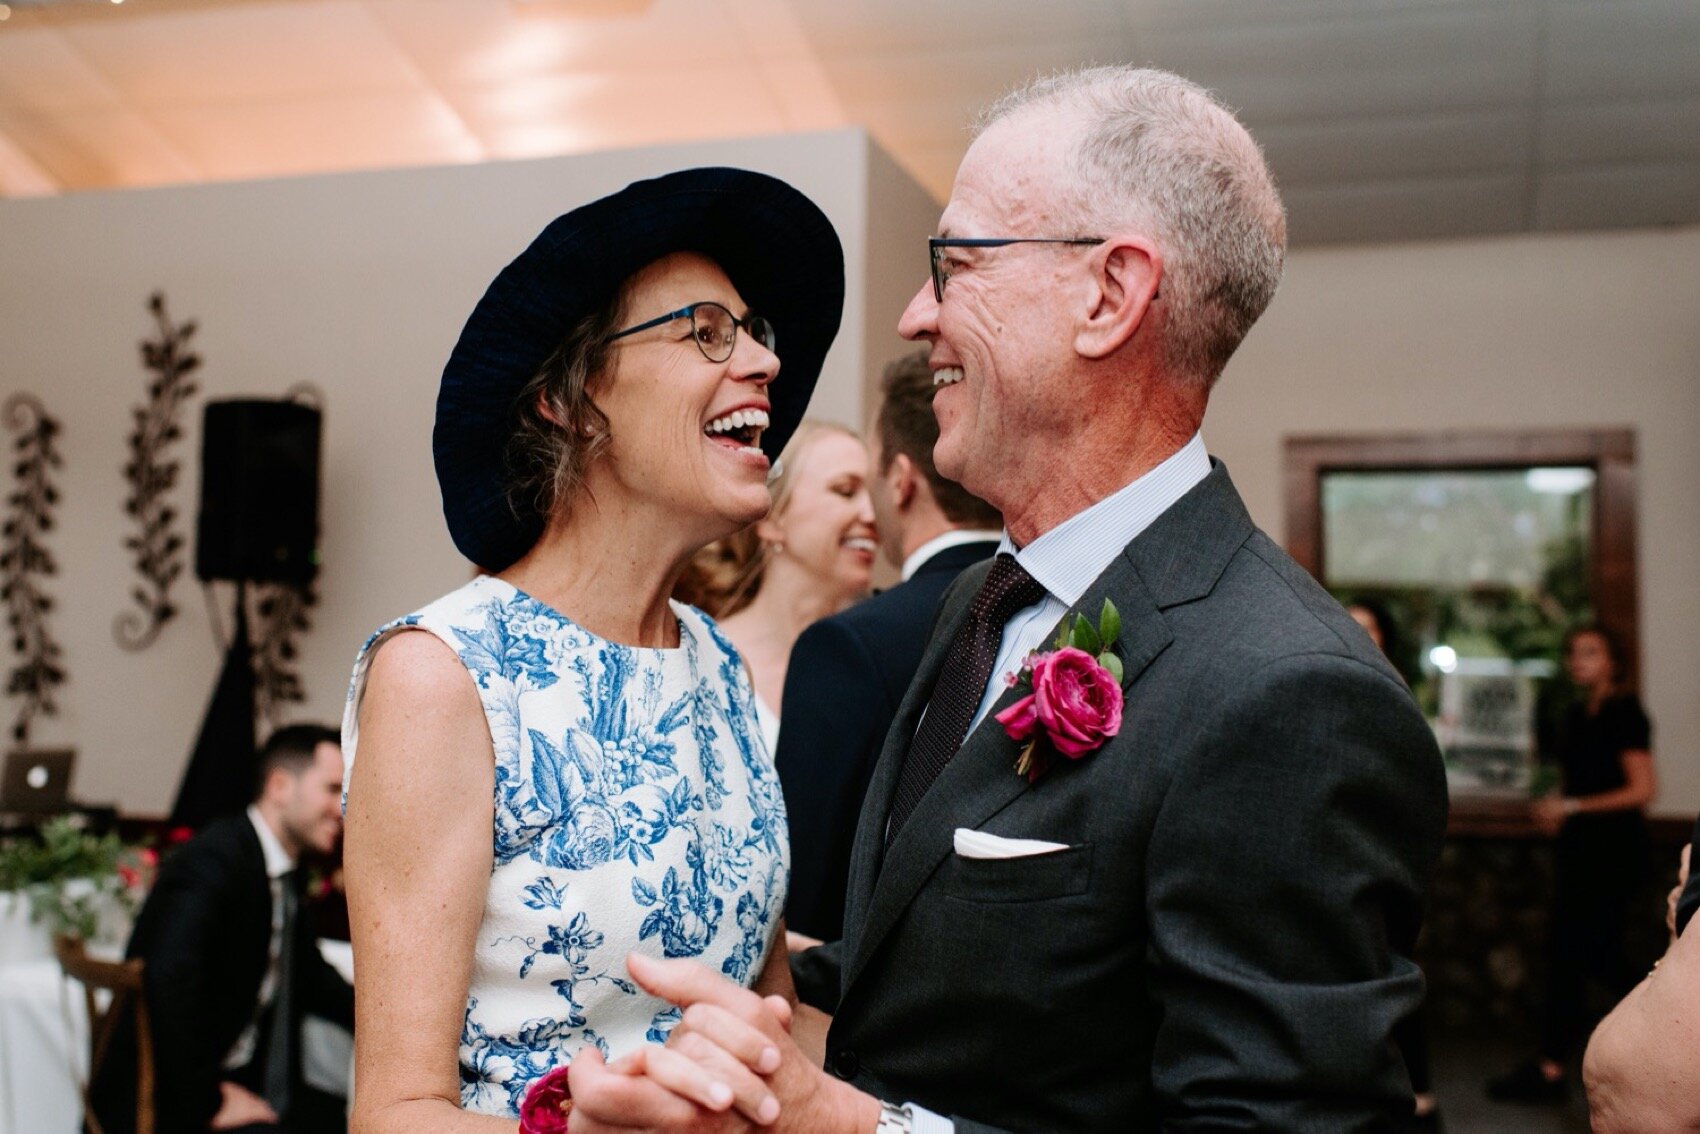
[774, 244]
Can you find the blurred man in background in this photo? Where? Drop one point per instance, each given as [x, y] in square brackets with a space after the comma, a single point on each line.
[231, 968]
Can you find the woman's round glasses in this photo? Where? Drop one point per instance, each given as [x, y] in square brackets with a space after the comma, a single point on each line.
[713, 328]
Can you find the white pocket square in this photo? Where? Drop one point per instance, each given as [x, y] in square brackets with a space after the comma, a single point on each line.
[980, 844]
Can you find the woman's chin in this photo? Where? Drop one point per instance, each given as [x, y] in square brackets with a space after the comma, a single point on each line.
[738, 510]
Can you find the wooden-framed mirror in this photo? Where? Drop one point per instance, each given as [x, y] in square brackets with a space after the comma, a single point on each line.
[1484, 547]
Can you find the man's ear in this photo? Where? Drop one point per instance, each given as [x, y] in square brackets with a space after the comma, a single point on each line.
[902, 477]
[1126, 274]
[276, 784]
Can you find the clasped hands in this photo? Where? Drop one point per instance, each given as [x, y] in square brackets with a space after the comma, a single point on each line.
[730, 1064]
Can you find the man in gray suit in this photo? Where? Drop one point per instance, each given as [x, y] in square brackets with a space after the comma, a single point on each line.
[1203, 921]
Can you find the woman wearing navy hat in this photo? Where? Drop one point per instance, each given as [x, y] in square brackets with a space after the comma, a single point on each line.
[554, 765]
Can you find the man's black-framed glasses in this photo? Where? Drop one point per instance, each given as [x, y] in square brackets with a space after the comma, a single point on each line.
[937, 244]
[713, 328]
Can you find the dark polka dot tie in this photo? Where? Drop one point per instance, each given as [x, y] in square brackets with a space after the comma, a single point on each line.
[962, 683]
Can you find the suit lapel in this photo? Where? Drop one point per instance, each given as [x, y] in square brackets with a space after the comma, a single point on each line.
[868, 850]
[980, 779]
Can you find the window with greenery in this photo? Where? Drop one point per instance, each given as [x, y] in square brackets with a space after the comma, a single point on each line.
[1482, 551]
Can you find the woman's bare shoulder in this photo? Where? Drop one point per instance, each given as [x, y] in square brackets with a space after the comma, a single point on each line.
[413, 663]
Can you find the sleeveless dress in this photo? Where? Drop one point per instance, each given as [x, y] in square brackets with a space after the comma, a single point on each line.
[636, 809]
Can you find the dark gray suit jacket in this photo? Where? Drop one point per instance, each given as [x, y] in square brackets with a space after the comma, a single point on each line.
[1223, 945]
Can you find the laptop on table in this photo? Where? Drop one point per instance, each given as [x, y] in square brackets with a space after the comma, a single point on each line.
[36, 782]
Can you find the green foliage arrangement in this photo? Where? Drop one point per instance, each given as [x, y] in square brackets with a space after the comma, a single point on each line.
[71, 876]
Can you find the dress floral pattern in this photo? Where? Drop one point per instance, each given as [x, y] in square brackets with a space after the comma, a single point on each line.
[636, 808]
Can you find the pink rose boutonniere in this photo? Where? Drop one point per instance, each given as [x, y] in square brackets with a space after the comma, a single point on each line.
[547, 1103]
[1074, 699]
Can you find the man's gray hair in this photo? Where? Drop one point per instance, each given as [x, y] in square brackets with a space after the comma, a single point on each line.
[1160, 152]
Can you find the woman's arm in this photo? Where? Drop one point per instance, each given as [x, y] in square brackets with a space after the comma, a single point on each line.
[418, 859]
[1641, 784]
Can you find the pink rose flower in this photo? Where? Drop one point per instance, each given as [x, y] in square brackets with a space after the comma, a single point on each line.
[546, 1104]
[1075, 700]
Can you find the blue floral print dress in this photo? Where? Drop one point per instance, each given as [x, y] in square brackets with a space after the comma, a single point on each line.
[636, 809]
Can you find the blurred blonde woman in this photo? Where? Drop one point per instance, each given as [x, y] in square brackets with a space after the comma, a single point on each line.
[812, 556]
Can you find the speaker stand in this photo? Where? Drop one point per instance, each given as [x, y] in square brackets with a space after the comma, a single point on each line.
[222, 768]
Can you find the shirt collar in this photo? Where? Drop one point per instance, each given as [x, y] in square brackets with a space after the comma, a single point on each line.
[1067, 558]
[278, 861]
[956, 537]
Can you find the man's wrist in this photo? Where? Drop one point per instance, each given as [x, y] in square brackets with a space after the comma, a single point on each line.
[862, 1109]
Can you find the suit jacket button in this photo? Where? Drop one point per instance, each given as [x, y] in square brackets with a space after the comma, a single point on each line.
[845, 1064]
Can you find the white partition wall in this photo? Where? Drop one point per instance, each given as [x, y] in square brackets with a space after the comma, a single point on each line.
[359, 284]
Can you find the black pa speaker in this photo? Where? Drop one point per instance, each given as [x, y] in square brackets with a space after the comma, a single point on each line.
[259, 492]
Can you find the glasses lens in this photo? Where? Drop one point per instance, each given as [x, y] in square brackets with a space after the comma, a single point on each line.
[714, 330]
[935, 262]
[762, 331]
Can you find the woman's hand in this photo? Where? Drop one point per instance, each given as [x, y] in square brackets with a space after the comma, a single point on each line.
[796, 942]
[1549, 813]
[651, 1088]
[728, 1032]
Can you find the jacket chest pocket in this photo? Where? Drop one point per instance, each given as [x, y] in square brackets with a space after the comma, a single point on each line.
[1028, 878]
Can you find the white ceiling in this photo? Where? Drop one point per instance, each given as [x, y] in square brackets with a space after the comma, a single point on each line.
[1384, 119]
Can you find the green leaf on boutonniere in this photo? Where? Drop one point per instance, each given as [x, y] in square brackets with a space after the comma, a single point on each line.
[1112, 663]
[1084, 637]
[1109, 627]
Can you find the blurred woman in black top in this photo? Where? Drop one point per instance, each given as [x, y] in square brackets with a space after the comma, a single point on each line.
[1604, 751]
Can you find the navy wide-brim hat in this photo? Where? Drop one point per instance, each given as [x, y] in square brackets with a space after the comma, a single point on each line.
[775, 245]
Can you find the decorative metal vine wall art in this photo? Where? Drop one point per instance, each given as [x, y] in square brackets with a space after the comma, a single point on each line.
[156, 546]
[25, 562]
[283, 612]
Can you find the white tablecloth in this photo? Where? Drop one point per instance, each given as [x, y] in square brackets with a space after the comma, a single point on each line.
[43, 1047]
[44, 1042]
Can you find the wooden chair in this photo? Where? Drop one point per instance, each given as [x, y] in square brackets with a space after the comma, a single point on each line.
[123, 980]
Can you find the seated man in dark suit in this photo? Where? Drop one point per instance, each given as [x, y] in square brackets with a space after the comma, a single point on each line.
[848, 673]
[230, 968]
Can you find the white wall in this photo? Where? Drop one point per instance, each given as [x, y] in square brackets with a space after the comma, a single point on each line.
[1509, 333]
[358, 283]
[902, 215]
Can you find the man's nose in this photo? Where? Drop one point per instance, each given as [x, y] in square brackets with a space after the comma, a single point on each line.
[921, 318]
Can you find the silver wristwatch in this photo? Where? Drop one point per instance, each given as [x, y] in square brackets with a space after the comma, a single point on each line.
[895, 1119]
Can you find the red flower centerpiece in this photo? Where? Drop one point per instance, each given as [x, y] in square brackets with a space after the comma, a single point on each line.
[1074, 703]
